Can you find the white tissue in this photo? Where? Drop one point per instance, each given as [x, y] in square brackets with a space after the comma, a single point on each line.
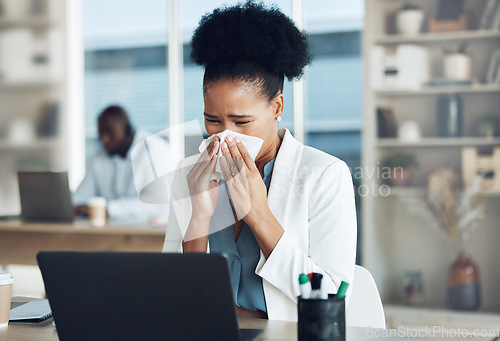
[251, 143]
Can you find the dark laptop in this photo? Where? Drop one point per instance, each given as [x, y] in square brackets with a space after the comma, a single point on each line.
[45, 196]
[140, 296]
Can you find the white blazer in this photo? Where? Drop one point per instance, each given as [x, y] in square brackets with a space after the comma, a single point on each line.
[311, 195]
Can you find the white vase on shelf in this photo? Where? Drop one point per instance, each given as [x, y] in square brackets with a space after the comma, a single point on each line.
[457, 66]
[409, 21]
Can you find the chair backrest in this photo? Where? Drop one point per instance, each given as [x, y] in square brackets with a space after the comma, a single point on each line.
[365, 306]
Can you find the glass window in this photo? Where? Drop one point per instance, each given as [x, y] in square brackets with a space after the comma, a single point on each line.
[333, 117]
[334, 82]
[125, 62]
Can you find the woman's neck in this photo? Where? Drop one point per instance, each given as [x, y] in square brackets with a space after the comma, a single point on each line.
[268, 155]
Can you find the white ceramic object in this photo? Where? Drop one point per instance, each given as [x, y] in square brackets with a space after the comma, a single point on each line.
[409, 131]
[21, 131]
[457, 66]
[409, 21]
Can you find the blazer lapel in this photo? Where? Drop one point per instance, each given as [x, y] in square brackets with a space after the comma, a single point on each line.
[284, 172]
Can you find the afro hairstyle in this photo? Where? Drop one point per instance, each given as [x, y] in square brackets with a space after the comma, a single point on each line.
[252, 43]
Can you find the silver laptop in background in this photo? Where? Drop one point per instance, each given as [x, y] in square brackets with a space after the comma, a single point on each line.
[45, 196]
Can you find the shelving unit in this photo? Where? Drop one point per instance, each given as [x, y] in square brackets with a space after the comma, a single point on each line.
[36, 23]
[420, 317]
[40, 145]
[429, 142]
[430, 38]
[25, 89]
[406, 191]
[47, 85]
[419, 191]
[395, 239]
[441, 90]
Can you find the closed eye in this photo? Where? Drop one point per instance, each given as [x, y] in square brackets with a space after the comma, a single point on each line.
[212, 121]
[241, 123]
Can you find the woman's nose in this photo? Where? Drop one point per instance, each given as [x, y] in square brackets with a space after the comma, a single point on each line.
[228, 125]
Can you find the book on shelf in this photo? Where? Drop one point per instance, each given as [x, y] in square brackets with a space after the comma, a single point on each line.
[387, 126]
[490, 19]
[450, 9]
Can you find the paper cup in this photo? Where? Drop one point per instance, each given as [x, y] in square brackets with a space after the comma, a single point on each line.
[6, 282]
[97, 211]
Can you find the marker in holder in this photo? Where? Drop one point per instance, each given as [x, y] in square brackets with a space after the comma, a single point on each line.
[321, 319]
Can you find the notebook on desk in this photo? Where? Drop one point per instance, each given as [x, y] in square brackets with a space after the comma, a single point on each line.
[31, 311]
[141, 296]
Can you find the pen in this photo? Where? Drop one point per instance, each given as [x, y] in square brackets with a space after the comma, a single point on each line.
[316, 285]
[323, 293]
[305, 286]
[342, 289]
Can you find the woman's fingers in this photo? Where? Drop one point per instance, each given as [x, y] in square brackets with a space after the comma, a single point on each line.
[240, 154]
[213, 147]
[226, 173]
[206, 168]
[206, 158]
[228, 168]
[233, 164]
[245, 155]
[200, 183]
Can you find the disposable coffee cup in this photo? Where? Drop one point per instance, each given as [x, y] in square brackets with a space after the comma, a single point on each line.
[6, 282]
[321, 319]
[97, 211]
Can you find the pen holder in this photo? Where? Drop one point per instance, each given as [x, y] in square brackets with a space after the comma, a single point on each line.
[321, 319]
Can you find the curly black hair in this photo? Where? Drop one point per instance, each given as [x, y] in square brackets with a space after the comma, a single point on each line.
[252, 43]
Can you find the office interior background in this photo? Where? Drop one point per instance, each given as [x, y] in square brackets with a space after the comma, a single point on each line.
[375, 96]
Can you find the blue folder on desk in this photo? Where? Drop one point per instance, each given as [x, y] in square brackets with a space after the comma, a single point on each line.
[140, 296]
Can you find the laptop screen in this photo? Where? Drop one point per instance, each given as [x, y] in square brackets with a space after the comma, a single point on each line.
[139, 296]
[45, 196]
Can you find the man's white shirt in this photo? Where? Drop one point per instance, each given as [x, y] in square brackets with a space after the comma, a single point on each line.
[112, 177]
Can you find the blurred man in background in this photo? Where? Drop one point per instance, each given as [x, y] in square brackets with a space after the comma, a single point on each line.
[110, 174]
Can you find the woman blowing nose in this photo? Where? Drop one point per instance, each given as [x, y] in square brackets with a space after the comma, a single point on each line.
[289, 210]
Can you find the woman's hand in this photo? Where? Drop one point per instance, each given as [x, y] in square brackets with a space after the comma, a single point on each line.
[248, 194]
[246, 189]
[204, 193]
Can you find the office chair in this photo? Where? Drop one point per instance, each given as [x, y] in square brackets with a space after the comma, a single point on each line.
[365, 306]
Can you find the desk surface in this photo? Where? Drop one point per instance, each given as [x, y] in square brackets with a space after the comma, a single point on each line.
[20, 242]
[45, 331]
[82, 227]
[273, 331]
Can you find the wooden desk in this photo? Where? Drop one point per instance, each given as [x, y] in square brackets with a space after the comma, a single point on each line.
[273, 331]
[20, 242]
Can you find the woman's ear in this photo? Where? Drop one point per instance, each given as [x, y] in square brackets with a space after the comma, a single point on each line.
[278, 105]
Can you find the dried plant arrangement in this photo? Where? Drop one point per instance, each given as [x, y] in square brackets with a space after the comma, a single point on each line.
[451, 209]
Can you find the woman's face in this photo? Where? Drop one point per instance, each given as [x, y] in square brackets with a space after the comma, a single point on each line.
[238, 106]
